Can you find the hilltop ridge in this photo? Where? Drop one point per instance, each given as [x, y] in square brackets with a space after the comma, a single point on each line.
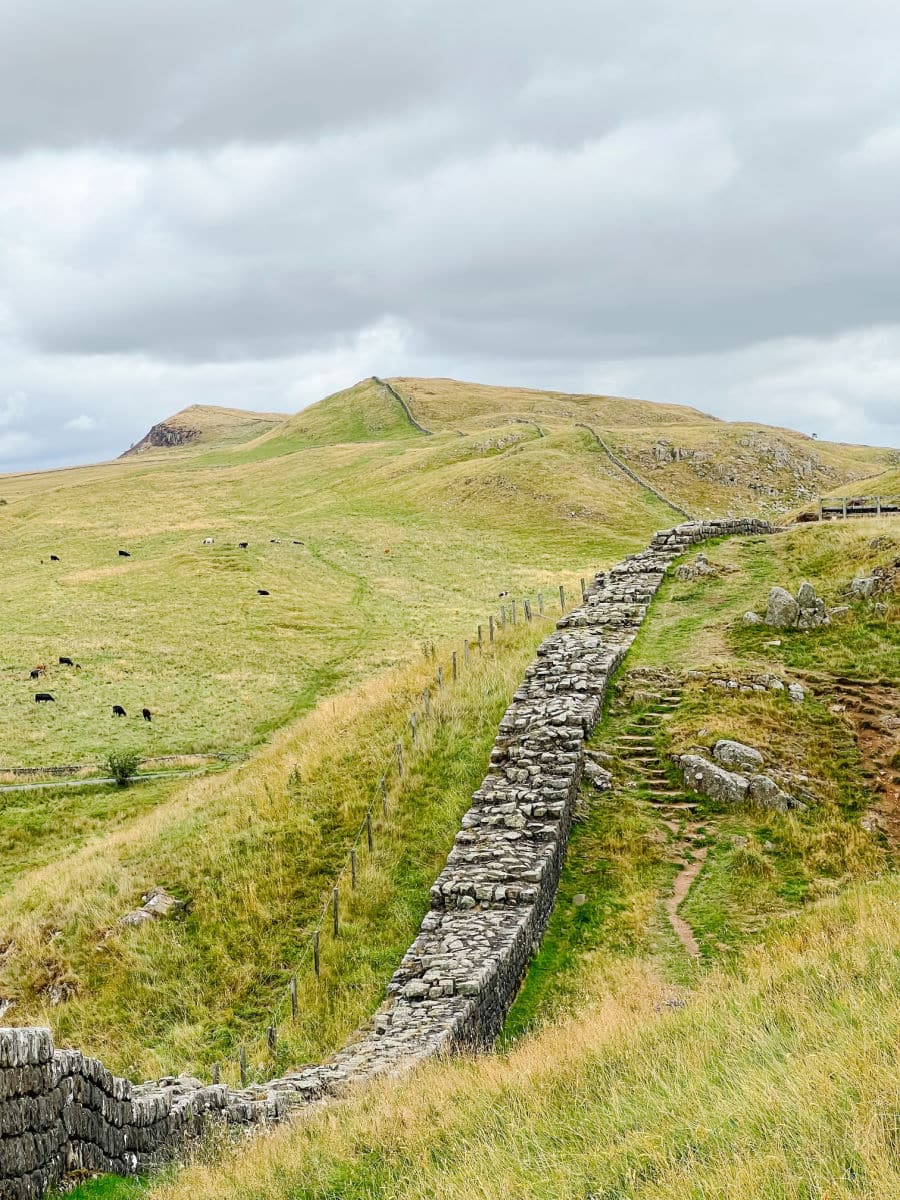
[205, 423]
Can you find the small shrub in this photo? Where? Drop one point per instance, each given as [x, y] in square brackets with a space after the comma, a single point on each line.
[123, 765]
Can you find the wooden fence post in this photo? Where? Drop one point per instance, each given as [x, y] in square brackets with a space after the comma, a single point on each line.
[440, 679]
[480, 639]
[513, 607]
[466, 651]
[293, 997]
[369, 838]
[426, 698]
[583, 591]
[502, 616]
[541, 603]
[384, 806]
[527, 607]
[455, 668]
[491, 629]
[335, 916]
[400, 759]
[412, 726]
[215, 1072]
[562, 598]
[353, 868]
[317, 965]
[272, 1039]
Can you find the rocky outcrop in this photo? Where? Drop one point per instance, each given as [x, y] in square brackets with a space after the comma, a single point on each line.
[164, 435]
[61, 1111]
[733, 787]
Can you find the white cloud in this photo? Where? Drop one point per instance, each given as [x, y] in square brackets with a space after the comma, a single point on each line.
[82, 423]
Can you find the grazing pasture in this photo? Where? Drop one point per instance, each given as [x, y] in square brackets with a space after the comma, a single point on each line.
[226, 642]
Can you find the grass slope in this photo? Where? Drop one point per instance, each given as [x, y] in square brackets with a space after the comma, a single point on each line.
[709, 467]
[254, 853]
[769, 1067]
[778, 1081]
[400, 539]
[759, 865]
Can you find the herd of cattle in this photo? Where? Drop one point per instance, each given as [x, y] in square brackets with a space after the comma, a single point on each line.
[64, 661]
[48, 698]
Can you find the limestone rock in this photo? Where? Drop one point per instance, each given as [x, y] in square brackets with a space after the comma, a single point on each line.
[765, 792]
[752, 618]
[782, 610]
[736, 755]
[865, 586]
[811, 612]
[709, 779]
[158, 904]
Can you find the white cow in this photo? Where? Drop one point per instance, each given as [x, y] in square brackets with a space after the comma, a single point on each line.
[207, 541]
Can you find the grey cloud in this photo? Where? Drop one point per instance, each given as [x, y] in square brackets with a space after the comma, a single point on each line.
[210, 197]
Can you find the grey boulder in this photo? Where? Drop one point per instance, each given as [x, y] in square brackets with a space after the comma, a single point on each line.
[709, 779]
[736, 755]
[782, 610]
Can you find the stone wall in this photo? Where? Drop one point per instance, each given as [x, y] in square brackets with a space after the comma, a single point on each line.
[61, 1111]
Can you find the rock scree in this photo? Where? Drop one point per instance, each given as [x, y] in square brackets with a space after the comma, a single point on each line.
[61, 1111]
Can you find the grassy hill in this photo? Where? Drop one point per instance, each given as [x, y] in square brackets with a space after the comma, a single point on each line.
[707, 466]
[765, 1067]
[374, 538]
[366, 549]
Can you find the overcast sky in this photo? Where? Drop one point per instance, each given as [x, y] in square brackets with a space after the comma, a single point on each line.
[254, 204]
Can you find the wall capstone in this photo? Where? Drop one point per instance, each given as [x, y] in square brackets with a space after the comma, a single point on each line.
[61, 1111]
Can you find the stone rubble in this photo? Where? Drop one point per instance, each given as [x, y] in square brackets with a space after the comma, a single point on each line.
[61, 1111]
[806, 611]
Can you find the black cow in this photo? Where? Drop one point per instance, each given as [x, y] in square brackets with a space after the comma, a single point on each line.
[36, 674]
[296, 543]
[54, 558]
[262, 592]
[124, 554]
[243, 545]
[146, 714]
[65, 662]
[119, 711]
[43, 698]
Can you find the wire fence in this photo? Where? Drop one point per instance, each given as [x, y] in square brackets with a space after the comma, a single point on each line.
[394, 767]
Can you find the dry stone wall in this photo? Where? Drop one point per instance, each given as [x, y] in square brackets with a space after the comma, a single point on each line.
[61, 1111]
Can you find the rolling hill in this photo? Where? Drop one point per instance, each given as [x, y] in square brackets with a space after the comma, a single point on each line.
[388, 519]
